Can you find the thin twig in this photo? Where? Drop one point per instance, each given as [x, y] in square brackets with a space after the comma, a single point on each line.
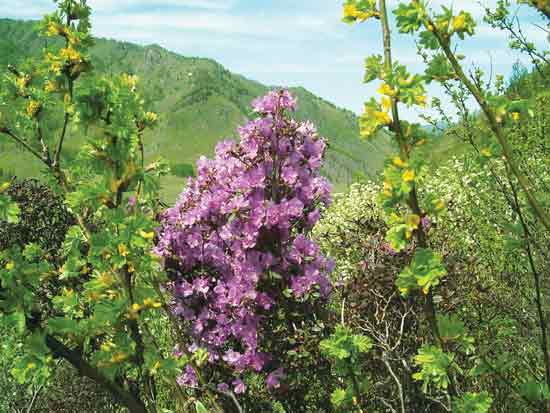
[22, 142]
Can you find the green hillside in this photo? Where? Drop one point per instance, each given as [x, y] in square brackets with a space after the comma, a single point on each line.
[200, 102]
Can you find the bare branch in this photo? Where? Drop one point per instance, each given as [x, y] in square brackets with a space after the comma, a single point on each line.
[23, 142]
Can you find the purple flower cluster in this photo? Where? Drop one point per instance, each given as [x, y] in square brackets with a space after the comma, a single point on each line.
[237, 237]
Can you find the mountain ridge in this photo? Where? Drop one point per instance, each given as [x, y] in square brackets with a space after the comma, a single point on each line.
[200, 102]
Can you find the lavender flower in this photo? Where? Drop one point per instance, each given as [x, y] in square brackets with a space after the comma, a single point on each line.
[241, 219]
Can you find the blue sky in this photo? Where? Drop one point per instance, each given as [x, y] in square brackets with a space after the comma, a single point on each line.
[279, 42]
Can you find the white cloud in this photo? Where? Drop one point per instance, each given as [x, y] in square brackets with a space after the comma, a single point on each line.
[531, 32]
[25, 9]
[281, 27]
[114, 6]
[34, 9]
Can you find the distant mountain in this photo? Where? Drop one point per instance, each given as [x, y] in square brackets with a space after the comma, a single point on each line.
[200, 102]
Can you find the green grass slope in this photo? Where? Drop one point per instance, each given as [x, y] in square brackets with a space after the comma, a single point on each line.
[200, 102]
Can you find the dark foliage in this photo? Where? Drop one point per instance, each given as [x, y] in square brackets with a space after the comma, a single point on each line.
[44, 220]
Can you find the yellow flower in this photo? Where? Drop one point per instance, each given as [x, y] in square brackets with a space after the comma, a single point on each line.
[33, 107]
[130, 80]
[386, 103]
[119, 357]
[408, 175]
[459, 22]
[430, 27]
[31, 366]
[10, 265]
[115, 184]
[134, 311]
[73, 40]
[122, 250]
[56, 67]
[94, 296]
[155, 367]
[485, 152]
[439, 205]
[372, 119]
[382, 117]
[413, 221]
[406, 82]
[50, 86]
[151, 117]
[70, 54]
[131, 268]
[53, 29]
[112, 294]
[421, 100]
[350, 11]
[387, 189]
[150, 303]
[397, 161]
[22, 81]
[106, 279]
[107, 345]
[4, 186]
[387, 90]
[515, 116]
[147, 235]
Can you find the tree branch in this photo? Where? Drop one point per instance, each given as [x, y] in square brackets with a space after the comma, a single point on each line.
[494, 125]
[430, 309]
[119, 393]
[22, 142]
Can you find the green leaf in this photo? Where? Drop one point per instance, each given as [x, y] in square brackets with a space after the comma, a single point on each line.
[73, 238]
[439, 68]
[409, 16]
[61, 325]
[362, 343]
[9, 210]
[200, 356]
[32, 252]
[426, 269]
[338, 397]
[200, 408]
[396, 237]
[534, 391]
[452, 329]
[373, 67]
[14, 320]
[434, 364]
[473, 403]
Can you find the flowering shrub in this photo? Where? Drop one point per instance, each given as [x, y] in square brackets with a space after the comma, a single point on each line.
[237, 242]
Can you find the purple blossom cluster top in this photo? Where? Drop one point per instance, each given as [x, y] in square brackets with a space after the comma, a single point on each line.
[237, 238]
